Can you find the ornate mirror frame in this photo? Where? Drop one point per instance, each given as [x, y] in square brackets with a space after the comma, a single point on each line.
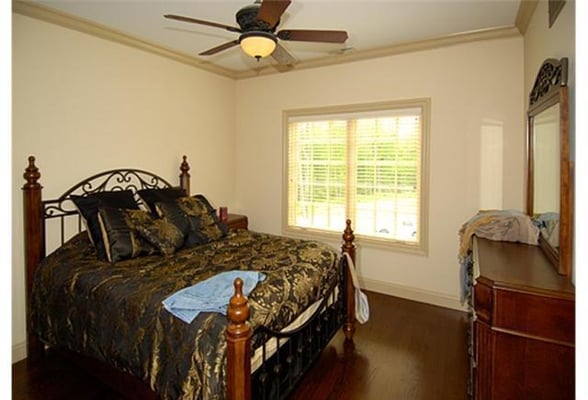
[548, 116]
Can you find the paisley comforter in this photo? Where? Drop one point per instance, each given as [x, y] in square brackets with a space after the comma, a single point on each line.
[114, 312]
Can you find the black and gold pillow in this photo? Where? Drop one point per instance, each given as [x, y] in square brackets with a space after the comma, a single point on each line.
[211, 225]
[190, 224]
[153, 196]
[162, 234]
[212, 213]
[88, 206]
[204, 225]
[120, 239]
[133, 233]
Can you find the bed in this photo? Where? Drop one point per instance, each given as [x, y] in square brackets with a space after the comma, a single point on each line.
[104, 303]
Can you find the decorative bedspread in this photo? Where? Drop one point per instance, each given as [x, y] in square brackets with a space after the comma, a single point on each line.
[114, 312]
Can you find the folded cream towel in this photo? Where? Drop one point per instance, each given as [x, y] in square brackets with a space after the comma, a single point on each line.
[362, 307]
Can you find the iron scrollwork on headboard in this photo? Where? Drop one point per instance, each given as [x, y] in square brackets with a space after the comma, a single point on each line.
[552, 75]
[113, 180]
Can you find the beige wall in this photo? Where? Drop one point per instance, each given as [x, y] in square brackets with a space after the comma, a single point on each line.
[82, 105]
[474, 89]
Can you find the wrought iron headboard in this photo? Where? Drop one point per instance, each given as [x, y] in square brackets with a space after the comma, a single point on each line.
[62, 207]
[113, 180]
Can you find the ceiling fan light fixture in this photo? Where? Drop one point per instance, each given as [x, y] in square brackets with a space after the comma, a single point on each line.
[257, 44]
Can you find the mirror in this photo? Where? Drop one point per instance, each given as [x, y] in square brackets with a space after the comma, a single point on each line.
[549, 192]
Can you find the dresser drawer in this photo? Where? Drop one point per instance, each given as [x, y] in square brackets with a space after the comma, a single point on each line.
[483, 302]
[544, 317]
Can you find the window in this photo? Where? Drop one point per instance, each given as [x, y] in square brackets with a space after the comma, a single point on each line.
[366, 163]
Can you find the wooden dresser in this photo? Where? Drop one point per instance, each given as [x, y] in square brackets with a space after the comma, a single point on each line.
[524, 325]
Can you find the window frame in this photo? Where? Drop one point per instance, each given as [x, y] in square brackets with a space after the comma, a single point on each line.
[419, 247]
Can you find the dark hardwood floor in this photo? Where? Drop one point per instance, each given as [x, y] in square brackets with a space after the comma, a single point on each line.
[407, 351]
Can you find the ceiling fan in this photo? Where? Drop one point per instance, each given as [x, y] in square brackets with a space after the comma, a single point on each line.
[257, 28]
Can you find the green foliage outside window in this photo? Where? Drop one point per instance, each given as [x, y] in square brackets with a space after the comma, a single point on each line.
[368, 169]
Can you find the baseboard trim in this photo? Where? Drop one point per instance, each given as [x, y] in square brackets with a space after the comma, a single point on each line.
[19, 352]
[411, 293]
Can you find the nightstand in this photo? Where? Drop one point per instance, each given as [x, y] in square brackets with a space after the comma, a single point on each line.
[237, 221]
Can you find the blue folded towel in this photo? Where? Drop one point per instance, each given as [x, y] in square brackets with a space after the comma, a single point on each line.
[210, 295]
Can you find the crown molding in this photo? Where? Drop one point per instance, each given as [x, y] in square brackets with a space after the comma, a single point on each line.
[409, 47]
[525, 13]
[91, 28]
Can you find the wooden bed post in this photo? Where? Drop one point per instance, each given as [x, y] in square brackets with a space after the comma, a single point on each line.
[34, 245]
[238, 335]
[185, 176]
[349, 248]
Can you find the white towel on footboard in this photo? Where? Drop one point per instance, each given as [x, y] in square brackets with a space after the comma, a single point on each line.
[362, 307]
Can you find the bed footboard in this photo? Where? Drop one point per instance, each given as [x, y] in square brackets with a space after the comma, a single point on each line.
[238, 335]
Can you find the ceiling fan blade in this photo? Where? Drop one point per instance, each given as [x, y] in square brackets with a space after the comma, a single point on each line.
[202, 22]
[306, 35]
[270, 11]
[282, 56]
[220, 48]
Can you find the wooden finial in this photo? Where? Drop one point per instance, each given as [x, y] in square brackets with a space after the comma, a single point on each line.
[238, 311]
[185, 167]
[348, 237]
[185, 175]
[31, 174]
